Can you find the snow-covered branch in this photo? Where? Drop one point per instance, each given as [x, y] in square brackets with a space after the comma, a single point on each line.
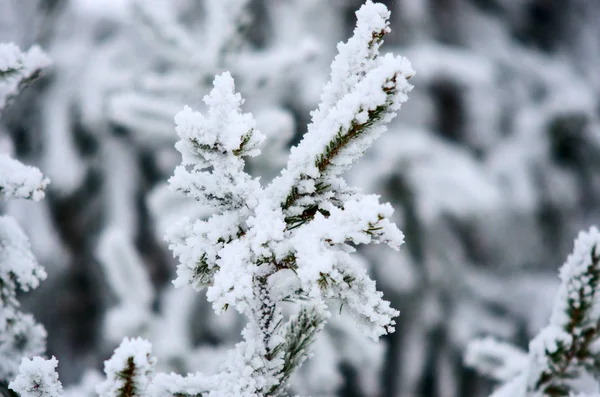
[18, 69]
[20, 336]
[37, 378]
[290, 241]
[563, 357]
[20, 181]
[129, 371]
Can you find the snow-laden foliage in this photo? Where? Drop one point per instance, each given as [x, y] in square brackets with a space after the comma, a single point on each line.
[105, 124]
[20, 336]
[18, 69]
[563, 357]
[37, 378]
[267, 247]
[129, 370]
[475, 169]
[18, 180]
[19, 266]
[491, 169]
[291, 240]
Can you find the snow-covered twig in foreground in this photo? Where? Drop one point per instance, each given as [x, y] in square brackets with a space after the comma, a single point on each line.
[290, 241]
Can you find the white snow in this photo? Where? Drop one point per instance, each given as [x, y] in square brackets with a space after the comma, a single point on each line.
[20, 181]
[16, 66]
[131, 366]
[37, 378]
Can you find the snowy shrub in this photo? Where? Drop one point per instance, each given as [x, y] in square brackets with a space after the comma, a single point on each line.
[20, 335]
[563, 358]
[37, 378]
[288, 241]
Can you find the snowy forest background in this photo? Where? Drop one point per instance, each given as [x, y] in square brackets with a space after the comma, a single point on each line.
[493, 165]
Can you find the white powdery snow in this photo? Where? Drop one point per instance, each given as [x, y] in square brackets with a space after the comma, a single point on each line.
[131, 367]
[17, 66]
[37, 378]
[20, 336]
[20, 181]
[16, 258]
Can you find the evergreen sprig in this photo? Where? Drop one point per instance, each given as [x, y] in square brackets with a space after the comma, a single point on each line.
[563, 357]
[300, 333]
[334, 148]
[18, 70]
[343, 138]
[10, 72]
[203, 272]
[127, 376]
[568, 360]
[291, 240]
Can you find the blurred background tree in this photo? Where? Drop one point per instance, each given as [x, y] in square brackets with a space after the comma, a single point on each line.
[492, 166]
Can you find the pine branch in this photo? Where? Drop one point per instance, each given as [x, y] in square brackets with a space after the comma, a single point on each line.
[126, 375]
[291, 240]
[10, 72]
[265, 316]
[18, 70]
[129, 370]
[20, 181]
[203, 273]
[299, 335]
[341, 141]
[356, 129]
[570, 356]
[37, 378]
[20, 336]
[363, 95]
[563, 353]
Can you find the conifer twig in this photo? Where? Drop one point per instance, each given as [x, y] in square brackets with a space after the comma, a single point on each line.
[563, 353]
